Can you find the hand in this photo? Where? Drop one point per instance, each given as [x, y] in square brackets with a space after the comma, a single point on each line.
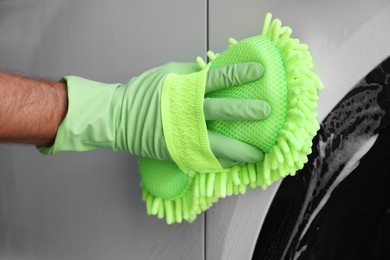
[148, 139]
[127, 117]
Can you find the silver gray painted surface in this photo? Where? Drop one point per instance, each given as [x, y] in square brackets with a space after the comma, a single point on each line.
[88, 205]
[347, 39]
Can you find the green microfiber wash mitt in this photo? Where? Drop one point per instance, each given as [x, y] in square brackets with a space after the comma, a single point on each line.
[182, 189]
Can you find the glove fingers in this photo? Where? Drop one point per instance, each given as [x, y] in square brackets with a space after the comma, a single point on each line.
[233, 75]
[235, 109]
[227, 148]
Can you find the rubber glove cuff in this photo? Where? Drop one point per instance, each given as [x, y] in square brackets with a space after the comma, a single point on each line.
[87, 131]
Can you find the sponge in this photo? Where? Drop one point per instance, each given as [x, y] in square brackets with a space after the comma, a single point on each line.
[189, 185]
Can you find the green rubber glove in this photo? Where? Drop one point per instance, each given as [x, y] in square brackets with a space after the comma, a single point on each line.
[127, 117]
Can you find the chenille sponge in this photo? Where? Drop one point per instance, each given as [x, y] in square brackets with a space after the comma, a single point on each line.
[194, 180]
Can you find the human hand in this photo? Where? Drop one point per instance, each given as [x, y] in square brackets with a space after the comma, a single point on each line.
[127, 117]
[147, 135]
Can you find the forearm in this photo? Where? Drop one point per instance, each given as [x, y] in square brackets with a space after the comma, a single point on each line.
[31, 110]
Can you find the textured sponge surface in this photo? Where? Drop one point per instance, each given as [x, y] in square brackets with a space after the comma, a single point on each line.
[272, 87]
[154, 173]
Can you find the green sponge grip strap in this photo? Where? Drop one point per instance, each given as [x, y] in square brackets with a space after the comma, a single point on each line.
[184, 124]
